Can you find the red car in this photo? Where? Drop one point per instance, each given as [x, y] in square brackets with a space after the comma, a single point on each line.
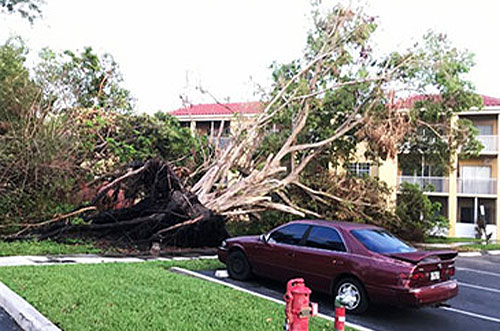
[361, 263]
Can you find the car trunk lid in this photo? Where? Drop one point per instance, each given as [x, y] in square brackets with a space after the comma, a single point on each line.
[418, 257]
[429, 266]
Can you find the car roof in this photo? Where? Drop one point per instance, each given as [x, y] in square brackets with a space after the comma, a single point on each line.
[344, 225]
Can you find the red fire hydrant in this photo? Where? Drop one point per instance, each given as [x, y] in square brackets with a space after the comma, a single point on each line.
[297, 308]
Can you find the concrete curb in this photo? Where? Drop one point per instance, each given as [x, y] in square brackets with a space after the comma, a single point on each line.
[481, 253]
[210, 279]
[25, 315]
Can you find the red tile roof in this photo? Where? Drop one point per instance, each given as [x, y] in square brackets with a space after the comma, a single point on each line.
[255, 107]
[219, 109]
[490, 101]
[406, 103]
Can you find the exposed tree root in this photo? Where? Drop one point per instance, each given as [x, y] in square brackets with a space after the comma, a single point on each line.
[156, 208]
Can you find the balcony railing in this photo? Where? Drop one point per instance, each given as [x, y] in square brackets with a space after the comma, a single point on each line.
[490, 143]
[440, 184]
[477, 186]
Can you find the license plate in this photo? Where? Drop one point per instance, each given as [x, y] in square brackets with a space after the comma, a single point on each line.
[435, 275]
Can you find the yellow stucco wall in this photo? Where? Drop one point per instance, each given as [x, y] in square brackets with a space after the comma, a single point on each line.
[386, 171]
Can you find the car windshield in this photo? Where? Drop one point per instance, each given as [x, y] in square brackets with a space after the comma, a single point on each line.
[381, 241]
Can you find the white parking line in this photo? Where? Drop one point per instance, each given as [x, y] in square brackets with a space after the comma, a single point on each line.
[478, 271]
[469, 254]
[477, 287]
[468, 313]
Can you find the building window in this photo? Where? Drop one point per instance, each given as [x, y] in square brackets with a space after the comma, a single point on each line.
[485, 130]
[359, 169]
[466, 215]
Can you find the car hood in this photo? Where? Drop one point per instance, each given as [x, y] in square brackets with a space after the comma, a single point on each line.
[418, 256]
[244, 239]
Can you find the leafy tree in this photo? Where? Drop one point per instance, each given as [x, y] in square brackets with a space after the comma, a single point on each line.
[418, 214]
[82, 80]
[111, 139]
[29, 9]
[36, 149]
[434, 138]
[49, 156]
[17, 89]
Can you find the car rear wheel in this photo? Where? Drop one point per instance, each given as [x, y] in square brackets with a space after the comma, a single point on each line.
[238, 266]
[352, 293]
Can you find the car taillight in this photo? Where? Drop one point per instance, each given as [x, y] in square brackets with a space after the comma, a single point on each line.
[448, 272]
[418, 276]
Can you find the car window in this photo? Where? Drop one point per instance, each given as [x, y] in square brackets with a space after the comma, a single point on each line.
[291, 234]
[381, 241]
[326, 238]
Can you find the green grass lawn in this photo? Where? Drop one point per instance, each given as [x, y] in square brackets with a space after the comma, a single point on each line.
[446, 240]
[142, 296]
[45, 247]
[479, 247]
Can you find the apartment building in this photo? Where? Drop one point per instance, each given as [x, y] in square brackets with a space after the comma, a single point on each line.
[471, 190]
[210, 118]
[468, 192]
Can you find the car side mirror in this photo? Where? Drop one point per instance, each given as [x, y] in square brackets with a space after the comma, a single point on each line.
[264, 238]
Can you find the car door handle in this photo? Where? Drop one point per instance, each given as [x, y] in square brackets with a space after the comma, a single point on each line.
[337, 262]
[290, 254]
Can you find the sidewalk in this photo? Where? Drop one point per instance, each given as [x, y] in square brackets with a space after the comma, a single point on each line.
[456, 246]
[7, 261]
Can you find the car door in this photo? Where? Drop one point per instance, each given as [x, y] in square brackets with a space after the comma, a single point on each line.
[274, 257]
[321, 258]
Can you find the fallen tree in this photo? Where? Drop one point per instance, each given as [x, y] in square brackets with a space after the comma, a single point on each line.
[153, 207]
[338, 85]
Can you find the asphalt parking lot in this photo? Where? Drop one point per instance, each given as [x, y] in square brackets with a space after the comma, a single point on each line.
[477, 306]
[7, 323]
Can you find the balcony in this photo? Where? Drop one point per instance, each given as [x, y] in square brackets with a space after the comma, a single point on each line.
[490, 143]
[477, 186]
[440, 184]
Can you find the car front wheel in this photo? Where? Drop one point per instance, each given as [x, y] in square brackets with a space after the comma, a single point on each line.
[238, 266]
[352, 294]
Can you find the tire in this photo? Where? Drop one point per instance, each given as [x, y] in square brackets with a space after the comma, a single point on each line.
[238, 266]
[352, 288]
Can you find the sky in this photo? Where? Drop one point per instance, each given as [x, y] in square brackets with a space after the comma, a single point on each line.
[166, 49]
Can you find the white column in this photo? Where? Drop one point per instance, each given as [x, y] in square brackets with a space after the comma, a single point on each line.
[475, 209]
[452, 192]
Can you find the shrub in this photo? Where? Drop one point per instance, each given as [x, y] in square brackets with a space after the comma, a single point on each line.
[419, 216]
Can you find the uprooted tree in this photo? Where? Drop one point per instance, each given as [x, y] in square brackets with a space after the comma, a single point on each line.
[321, 106]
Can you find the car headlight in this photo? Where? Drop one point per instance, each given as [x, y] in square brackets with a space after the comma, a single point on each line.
[223, 244]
